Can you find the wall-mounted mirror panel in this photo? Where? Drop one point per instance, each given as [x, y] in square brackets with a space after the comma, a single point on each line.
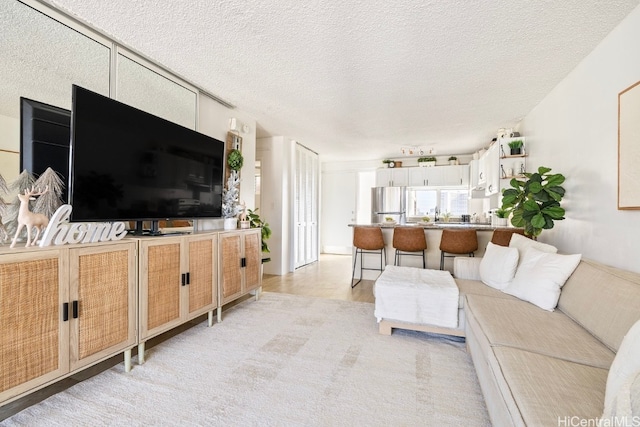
[41, 58]
[147, 90]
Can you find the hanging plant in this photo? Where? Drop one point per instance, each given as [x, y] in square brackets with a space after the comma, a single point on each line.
[235, 160]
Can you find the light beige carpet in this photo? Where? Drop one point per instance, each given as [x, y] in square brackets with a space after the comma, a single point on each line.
[284, 360]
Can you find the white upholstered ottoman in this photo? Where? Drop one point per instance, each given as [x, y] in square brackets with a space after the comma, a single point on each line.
[417, 299]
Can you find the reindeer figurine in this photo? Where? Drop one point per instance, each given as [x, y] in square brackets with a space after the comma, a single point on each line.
[29, 219]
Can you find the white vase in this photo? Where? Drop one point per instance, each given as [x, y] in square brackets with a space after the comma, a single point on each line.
[230, 223]
[501, 222]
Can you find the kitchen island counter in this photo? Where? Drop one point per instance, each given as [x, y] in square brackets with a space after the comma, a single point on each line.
[433, 234]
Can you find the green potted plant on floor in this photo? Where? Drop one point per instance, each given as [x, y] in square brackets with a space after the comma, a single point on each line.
[535, 202]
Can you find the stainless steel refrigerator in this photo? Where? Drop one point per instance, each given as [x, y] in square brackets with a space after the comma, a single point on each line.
[388, 202]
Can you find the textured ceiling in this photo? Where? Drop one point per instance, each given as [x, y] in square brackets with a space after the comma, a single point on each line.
[359, 79]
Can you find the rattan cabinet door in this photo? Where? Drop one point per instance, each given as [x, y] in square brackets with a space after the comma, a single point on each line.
[202, 275]
[34, 338]
[160, 267]
[253, 263]
[230, 266]
[103, 301]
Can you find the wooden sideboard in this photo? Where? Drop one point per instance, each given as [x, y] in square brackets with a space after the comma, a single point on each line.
[64, 308]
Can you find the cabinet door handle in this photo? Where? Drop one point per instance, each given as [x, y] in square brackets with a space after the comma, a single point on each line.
[65, 312]
[74, 309]
[188, 278]
[184, 279]
[243, 262]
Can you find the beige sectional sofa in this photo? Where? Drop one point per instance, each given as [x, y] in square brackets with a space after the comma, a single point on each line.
[548, 368]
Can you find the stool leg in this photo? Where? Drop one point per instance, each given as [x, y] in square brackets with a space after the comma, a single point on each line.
[424, 260]
[396, 258]
[353, 272]
[441, 260]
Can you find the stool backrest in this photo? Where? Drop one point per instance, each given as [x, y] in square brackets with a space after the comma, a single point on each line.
[458, 241]
[502, 236]
[368, 238]
[409, 239]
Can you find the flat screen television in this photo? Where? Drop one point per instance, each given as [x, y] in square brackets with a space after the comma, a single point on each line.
[129, 165]
[44, 139]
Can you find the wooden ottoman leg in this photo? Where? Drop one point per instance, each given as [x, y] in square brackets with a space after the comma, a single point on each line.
[384, 328]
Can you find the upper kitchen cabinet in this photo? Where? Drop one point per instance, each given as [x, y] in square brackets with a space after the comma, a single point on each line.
[492, 170]
[439, 176]
[392, 177]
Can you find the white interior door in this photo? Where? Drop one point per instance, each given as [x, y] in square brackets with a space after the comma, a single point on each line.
[306, 207]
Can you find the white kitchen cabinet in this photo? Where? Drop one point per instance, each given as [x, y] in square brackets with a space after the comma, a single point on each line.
[392, 177]
[492, 170]
[473, 174]
[439, 176]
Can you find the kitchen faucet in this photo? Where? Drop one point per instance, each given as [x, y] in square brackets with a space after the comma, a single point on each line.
[436, 212]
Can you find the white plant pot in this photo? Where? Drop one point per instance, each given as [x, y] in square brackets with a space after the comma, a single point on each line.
[501, 222]
[230, 223]
[244, 224]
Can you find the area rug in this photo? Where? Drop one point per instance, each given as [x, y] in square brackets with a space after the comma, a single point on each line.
[284, 360]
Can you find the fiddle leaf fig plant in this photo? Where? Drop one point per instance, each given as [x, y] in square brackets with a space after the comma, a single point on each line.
[535, 202]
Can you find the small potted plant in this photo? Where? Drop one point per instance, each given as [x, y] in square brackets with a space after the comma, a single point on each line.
[386, 162]
[446, 216]
[256, 222]
[453, 160]
[516, 147]
[501, 217]
[426, 161]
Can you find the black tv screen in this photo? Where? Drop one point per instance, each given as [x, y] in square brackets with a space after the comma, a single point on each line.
[127, 164]
[44, 139]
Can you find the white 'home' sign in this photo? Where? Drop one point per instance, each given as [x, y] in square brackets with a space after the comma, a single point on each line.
[61, 232]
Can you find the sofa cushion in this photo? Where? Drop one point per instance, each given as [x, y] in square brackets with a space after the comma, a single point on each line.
[518, 324]
[625, 365]
[475, 287]
[540, 276]
[547, 390]
[603, 299]
[498, 265]
[523, 243]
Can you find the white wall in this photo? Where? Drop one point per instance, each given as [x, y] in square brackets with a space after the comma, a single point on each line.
[213, 120]
[10, 141]
[276, 156]
[574, 132]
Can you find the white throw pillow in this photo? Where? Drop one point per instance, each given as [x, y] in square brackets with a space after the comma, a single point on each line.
[540, 276]
[625, 365]
[522, 243]
[498, 265]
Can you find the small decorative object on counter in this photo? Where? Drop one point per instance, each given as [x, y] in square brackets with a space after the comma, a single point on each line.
[453, 160]
[28, 219]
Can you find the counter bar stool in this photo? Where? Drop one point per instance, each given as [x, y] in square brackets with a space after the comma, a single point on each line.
[457, 242]
[409, 241]
[367, 240]
[502, 236]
